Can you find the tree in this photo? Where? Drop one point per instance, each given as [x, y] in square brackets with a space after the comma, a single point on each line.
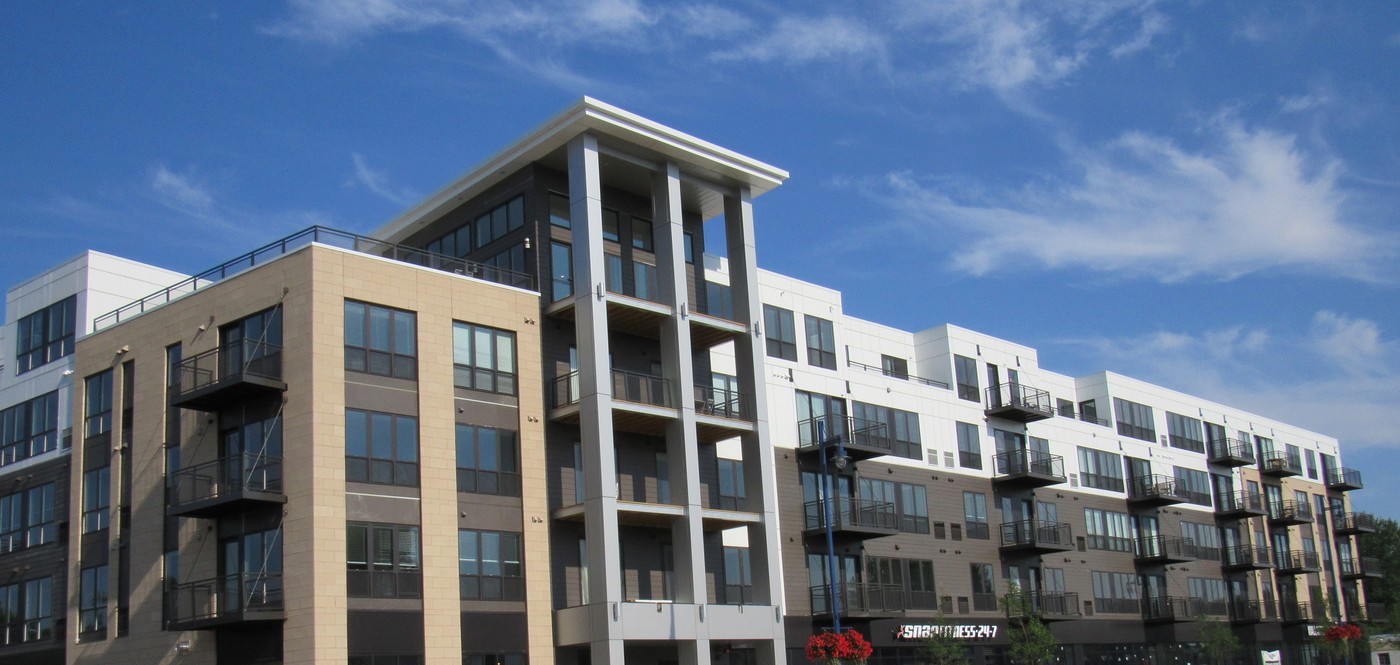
[1217, 640]
[1384, 546]
[942, 648]
[1031, 642]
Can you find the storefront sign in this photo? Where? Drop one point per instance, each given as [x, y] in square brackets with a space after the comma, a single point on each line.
[960, 631]
[1271, 657]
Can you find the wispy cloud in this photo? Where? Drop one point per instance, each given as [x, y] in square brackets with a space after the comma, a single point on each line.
[799, 40]
[378, 183]
[1334, 374]
[1249, 200]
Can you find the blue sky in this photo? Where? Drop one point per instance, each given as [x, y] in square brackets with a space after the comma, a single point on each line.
[1198, 194]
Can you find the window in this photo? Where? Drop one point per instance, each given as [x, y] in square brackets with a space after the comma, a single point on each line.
[38, 609]
[644, 281]
[46, 335]
[380, 340]
[11, 522]
[1116, 592]
[381, 448]
[483, 358]
[1185, 433]
[485, 659]
[490, 226]
[27, 518]
[1108, 530]
[612, 273]
[489, 565]
[559, 210]
[984, 591]
[383, 561]
[780, 333]
[1100, 469]
[1206, 538]
[561, 262]
[738, 576]
[965, 370]
[487, 461]
[1312, 465]
[30, 428]
[641, 234]
[896, 367]
[969, 446]
[388, 659]
[96, 499]
[909, 501]
[1135, 420]
[1064, 408]
[732, 494]
[689, 242]
[821, 343]
[902, 427]
[97, 410]
[1194, 485]
[912, 509]
[92, 600]
[975, 515]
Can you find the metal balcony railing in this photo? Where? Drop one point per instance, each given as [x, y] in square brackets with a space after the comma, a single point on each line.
[226, 478]
[1249, 611]
[1019, 402]
[1294, 612]
[225, 599]
[1044, 604]
[1344, 522]
[1299, 561]
[1018, 463]
[1232, 452]
[1246, 556]
[860, 598]
[1155, 489]
[1248, 503]
[1344, 479]
[627, 386]
[851, 513]
[1280, 463]
[1166, 548]
[861, 438]
[231, 362]
[1037, 534]
[1364, 566]
[1291, 511]
[899, 375]
[1171, 608]
[720, 402]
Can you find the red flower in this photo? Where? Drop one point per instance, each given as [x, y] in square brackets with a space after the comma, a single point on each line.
[835, 647]
[1342, 631]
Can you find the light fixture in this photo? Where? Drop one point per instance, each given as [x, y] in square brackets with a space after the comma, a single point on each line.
[183, 647]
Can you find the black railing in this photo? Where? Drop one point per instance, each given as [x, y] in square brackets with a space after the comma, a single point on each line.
[225, 477]
[1350, 478]
[1166, 547]
[627, 386]
[898, 375]
[1036, 533]
[228, 596]
[1243, 610]
[295, 241]
[1118, 605]
[1090, 418]
[1240, 502]
[1344, 521]
[1300, 560]
[1020, 396]
[1154, 487]
[1291, 510]
[860, 598]
[1230, 449]
[1280, 462]
[853, 431]
[1043, 603]
[851, 512]
[1171, 608]
[1294, 612]
[1022, 462]
[1359, 566]
[1246, 555]
[721, 402]
[229, 362]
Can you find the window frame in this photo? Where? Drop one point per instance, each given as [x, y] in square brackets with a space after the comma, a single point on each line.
[401, 356]
[1130, 417]
[511, 587]
[821, 341]
[403, 569]
[780, 333]
[399, 468]
[466, 352]
[46, 335]
[471, 473]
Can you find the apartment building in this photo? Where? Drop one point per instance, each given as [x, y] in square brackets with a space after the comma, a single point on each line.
[556, 413]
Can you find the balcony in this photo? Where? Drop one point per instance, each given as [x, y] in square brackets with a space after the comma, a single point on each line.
[227, 600]
[1154, 491]
[227, 375]
[860, 600]
[1251, 611]
[1246, 557]
[855, 519]
[642, 403]
[1298, 562]
[719, 414]
[1028, 469]
[1348, 524]
[1172, 609]
[1360, 568]
[1290, 512]
[1036, 537]
[862, 439]
[1157, 550]
[1344, 480]
[1045, 605]
[1280, 465]
[226, 485]
[1020, 403]
[1368, 613]
[1296, 612]
[1240, 505]
[1230, 452]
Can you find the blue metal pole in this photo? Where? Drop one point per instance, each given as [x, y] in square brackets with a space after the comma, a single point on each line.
[834, 585]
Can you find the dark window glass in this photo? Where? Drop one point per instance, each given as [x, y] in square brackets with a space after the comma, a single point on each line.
[487, 461]
[381, 448]
[383, 560]
[965, 371]
[821, 343]
[483, 358]
[380, 340]
[1135, 420]
[46, 335]
[489, 565]
[969, 446]
[92, 601]
[30, 428]
[780, 332]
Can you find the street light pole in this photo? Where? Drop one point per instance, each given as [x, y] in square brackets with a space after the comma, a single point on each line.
[840, 459]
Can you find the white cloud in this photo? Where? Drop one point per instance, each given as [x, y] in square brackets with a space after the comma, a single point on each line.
[378, 183]
[180, 192]
[798, 40]
[1336, 377]
[711, 21]
[1142, 206]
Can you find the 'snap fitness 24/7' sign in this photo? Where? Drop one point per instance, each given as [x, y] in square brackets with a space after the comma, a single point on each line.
[956, 631]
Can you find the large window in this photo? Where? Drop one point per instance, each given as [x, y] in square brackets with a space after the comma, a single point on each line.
[732, 493]
[97, 497]
[821, 343]
[483, 358]
[965, 371]
[984, 591]
[380, 340]
[969, 446]
[1185, 432]
[489, 565]
[561, 268]
[1116, 592]
[381, 448]
[1100, 469]
[559, 211]
[975, 515]
[1206, 538]
[46, 335]
[491, 225]
[1135, 420]
[30, 428]
[488, 461]
[92, 601]
[910, 501]
[1194, 485]
[902, 426]
[738, 576]
[383, 561]
[27, 518]
[97, 408]
[780, 333]
[1108, 530]
[38, 609]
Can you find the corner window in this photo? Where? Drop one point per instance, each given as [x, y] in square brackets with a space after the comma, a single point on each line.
[46, 335]
[383, 561]
[380, 340]
[821, 343]
[780, 332]
[487, 461]
[483, 358]
[488, 563]
[381, 448]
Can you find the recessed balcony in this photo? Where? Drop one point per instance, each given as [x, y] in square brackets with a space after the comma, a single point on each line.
[227, 375]
[859, 599]
[641, 403]
[1157, 550]
[1172, 609]
[1154, 491]
[1280, 465]
[1036, 537]
[1298, 562]
[1230, 452]
[1344, 480]
[1295, 612]
[862, 439]
[1240, 505]
[226, 485]
[1020, 403]
[1357, 568]
[1028, 469]
[227, 600]
[1045, 605]
[1368, 613]
[1246, 557]
[1251, 611]
[854, 518]
[1290, 512]
[1348, 524]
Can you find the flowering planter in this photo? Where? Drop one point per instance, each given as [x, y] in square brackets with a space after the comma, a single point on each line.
[848, 647]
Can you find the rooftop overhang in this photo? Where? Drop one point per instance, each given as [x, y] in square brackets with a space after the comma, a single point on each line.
[626, 140]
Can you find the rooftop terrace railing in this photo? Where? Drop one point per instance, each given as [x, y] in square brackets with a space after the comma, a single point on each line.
[315, 234]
